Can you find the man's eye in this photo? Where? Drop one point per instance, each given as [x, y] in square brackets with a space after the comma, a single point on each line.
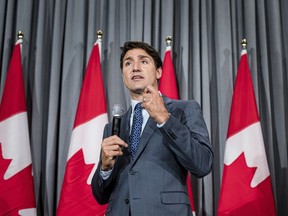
[127, 64]
[144, 62]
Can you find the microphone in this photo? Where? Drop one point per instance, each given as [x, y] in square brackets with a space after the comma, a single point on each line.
[117, 112]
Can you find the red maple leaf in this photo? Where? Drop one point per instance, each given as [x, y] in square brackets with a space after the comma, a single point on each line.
[239, 197]
[15, 192]
[77, 197]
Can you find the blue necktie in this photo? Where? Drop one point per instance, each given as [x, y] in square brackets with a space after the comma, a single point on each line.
[136, 129]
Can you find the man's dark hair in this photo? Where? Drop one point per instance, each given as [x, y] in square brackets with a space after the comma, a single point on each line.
[141, 45]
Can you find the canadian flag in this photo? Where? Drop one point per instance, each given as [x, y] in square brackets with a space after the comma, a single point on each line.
[76, 195]
[16, 179]
[168, 87]
[246, 185]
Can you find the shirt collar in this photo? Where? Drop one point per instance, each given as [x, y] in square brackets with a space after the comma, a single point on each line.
[133, 104]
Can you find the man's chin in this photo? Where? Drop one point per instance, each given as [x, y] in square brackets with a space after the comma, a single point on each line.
[138, 90]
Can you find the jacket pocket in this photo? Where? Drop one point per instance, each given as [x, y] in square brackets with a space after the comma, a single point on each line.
[175, 197]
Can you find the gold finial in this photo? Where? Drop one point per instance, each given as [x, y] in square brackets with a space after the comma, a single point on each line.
[99, 34]
[244, 44]
[169, 40]
[20, 35]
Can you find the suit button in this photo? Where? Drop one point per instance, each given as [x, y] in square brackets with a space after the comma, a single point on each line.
[131, 172]
[127, 201]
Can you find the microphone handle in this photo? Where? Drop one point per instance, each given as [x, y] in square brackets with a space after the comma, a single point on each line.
[116, 125]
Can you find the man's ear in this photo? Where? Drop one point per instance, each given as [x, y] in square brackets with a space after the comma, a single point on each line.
[158, 73]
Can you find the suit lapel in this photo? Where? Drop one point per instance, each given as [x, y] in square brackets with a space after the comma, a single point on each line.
[145, 137]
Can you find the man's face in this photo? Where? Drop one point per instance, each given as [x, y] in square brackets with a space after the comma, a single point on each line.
[139, 71]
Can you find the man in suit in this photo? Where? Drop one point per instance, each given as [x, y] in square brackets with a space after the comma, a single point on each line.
[150, 179]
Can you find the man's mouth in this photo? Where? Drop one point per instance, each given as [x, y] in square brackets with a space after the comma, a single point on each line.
[137, 77]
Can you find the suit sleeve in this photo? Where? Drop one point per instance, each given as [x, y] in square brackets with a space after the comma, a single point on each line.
[102, 189]
[188, 138]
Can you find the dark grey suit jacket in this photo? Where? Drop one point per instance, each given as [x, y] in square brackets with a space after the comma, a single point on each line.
[154, 183]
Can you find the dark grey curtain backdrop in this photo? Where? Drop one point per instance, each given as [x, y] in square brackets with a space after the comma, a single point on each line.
[59, 35]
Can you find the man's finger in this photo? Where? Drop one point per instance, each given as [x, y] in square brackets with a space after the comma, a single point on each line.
[150, 89]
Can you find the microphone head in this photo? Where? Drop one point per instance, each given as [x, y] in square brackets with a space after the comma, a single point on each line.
[117, 110]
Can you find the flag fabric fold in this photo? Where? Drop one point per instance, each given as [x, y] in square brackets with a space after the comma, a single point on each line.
[168, 87]
[246, 184]
[168, 81]
[16, 178]
[76, 195]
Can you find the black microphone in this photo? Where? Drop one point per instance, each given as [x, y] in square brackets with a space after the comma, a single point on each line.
[117, 112]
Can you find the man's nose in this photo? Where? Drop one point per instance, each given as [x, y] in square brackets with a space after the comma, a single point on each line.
[136, 66]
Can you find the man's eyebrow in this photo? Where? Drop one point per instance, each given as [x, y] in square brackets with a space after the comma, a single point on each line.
[139, 57]
[143, 56]
[128, 58]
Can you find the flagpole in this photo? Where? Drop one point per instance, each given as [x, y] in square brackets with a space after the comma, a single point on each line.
[20, 35]
[99, 41]
[99, 34]
[244, 44]
[169, 40]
